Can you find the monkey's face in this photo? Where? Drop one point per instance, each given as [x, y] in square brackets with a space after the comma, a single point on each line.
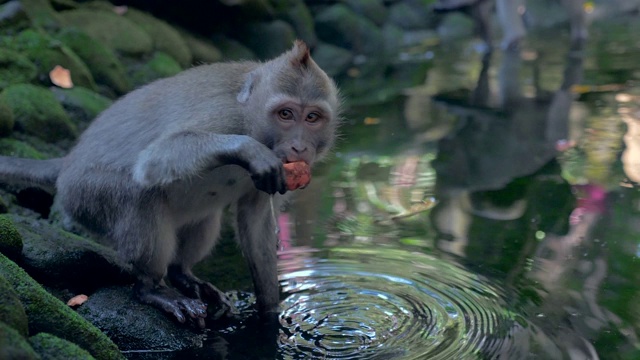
[299, 130]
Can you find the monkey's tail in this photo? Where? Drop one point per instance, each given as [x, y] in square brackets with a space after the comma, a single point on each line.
[30, 172]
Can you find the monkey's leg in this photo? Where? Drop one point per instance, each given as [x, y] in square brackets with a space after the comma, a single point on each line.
[255, 232]
[195, 243]
[148, 241]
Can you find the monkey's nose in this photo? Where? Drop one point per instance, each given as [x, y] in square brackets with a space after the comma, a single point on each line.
[299, 149]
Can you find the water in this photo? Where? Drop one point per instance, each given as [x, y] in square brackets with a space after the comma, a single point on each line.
[489, 210]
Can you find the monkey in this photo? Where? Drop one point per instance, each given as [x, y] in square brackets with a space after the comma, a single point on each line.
[154, 172]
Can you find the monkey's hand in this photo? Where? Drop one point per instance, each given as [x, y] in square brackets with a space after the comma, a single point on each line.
[266, 169]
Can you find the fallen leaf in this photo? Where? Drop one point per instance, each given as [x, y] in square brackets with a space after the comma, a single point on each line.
[61, 77]
[77, 300]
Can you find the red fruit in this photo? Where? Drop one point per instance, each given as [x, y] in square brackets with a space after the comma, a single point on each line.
[297, 174]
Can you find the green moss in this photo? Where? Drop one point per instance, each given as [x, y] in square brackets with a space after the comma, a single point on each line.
[114, 31]
[202, 50]
[48, 314]
[83, 104]
[6, 118]
[37, 112]
[101, 60]
[11, 310]
[165, 38]
[10, 239]
[13, 345]
[51, 347]
[47, 52]
[17, 148]
[41, 14]
[161, 65]
[15, 68]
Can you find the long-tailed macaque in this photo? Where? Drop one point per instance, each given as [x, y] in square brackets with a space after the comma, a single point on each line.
[155, 171]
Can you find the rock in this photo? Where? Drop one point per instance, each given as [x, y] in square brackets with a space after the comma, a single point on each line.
[41, 14]
[17, 148]
[13, 345]
[16, 68]
[51, 347]
[269, 39]
[114, 31]
[82, 104]
[10, 239]
[47, 52]
[165, 38]
[61, 259]
[159, 66]
[340, 26]
[101, 60]
[374, 10]
[135, 326]
[48, 314]
[11, 310]
[13, 16]
[231, 49]
[37, 112]
[409, 16]
[298, 15]
[332, 59]
[203, 51]
[6, 118]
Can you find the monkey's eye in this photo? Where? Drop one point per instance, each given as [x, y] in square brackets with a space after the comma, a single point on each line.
[285, 114]
[313, 117]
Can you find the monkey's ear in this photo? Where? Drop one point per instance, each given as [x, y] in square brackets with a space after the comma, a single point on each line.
[300, 55]
[247, 87]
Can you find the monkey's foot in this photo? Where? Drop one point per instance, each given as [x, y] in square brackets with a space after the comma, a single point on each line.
[193, 287]
[171, 301]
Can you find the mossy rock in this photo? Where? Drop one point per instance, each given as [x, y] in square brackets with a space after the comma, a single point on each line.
[41, 14]
[46, 53]
[101, 60]
[165, 38]
[17, 148]
[232, 50]
[82, 104]
[13, 345]
[48, 314]
[51, 347]
[114, 31]
[202, 51]
[269, 39]
[13, 18]
[6, 118]
[11, 310]
[296, 13]
[341, 26]
[37, 112]
[332, 59]
[10, 238]
[159, 66]
[374, 10]
[15, 68]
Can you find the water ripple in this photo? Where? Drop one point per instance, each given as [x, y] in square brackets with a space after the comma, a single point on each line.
[367, 305]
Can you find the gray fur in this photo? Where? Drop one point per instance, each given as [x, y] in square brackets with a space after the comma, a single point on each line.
[154, 172]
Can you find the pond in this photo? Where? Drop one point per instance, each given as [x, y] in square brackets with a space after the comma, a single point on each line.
[490, 210]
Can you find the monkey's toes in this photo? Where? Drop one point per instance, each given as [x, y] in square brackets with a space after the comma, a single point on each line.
[178, 305]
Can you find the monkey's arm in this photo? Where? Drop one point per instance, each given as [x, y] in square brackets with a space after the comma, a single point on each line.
[186, 154]
[255, 231]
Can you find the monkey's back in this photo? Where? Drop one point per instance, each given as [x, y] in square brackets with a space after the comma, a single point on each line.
[96, 178]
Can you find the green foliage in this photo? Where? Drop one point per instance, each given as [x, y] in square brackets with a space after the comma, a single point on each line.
[6, 118]
[17, 148]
